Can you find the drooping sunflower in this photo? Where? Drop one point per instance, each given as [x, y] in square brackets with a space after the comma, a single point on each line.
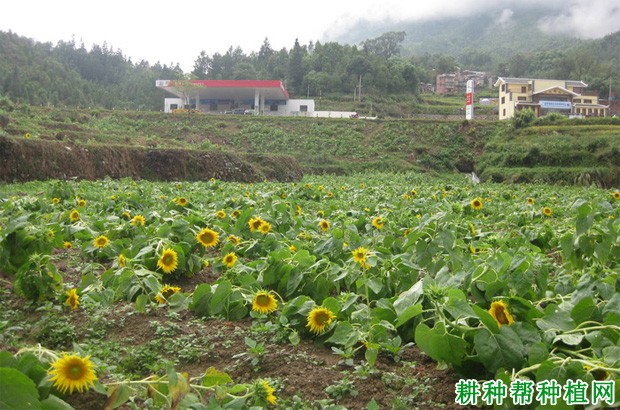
[165, 292]
[122, 261]
[73, 299]
[255, 223]
[547, 211]
[265, 227]
[264, 392]
[292, 248]
[220, 214]
[476, 203]
[208, 237]
[378, 222]
[298, 210]
[229, 260]
[319, 318]
[72, 372]
[74, 215]
[168, 261]
[324, 225]
[101, 241]
[126, 215]
[359, 255]
[264, 302]
[138, 220]
[499, 311]
[235, 240]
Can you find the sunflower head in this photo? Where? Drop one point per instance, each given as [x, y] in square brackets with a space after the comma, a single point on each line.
[181, 201]
[55, 201]
[319, 318]
[324, 225]
[208, 237]
[236, 213]
[359, 255]
[67, 245]
[264, 302]
[220, 214]
[165, 292]
[138, 220]
[73, 300]
[264, 392]
[255, 223]
[414, 192]
[616, 194]
[547, 211]
[74, 215]
[476, 203]
[122, 261]
[499, 311]
[229, 260]
[27, 135]
[72, 372]
[292, 248]
[82, 202]
[168, 261]
[101, 241]
[378, 222]
[235, 240]
[530, 201]
[265, 227]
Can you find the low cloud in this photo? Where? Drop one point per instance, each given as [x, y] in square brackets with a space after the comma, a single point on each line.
[505, 17]
[585, 19]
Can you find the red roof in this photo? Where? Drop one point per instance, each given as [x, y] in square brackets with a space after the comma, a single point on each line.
[239, 84]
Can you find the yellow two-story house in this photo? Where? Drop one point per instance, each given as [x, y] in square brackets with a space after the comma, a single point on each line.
[546, 96]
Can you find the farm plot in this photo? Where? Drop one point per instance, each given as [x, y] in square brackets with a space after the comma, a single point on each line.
[336, 291]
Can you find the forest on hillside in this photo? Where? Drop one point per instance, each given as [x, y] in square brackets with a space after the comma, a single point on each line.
[69, 74]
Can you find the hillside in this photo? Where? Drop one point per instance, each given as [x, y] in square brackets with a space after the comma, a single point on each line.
[584, 151]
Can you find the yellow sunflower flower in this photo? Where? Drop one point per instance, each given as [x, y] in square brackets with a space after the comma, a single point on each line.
[229, 260]
[208, 237]
[319, 318]
[616, 194]
[165, 292]
[181, 201]
[236, 213]
[122, 261]
[67, 245]
[55, 201]
[82, 202]
[298, 210]
[168, 261]
[264, 391]
[74, 215]
[476, 203]
[359, 255]
[264, 302]
[235, 240]
[101, 241]
[138, 220]
[547, 211]
[265, 227]
[324, 225]
[499, 311]
[255, 223]
[378, 223]
[530, 201]
[292, 248]
[73, 299]
[126, 215]
[72, 372]
[27, 135]
[220, 214]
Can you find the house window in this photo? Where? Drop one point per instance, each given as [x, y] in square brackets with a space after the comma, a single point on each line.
[504, 87]
[504, 113]
[523, 89]
[587, 101]
[503, 100]
[213, 107]
[273, 107]
[522, 98]
[303, 108]
[174, 106]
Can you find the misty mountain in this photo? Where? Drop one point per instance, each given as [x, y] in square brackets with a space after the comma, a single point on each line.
[499, 31]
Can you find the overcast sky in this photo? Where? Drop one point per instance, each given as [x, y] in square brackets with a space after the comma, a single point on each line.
[176, 32]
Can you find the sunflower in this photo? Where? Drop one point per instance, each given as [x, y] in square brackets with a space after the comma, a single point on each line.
[208, 237]
[101, 241]
[74, 215]
[165, 292]
[319, 318]
[264, 302]
[264, 392]
[137, 220]
[27, 135]
[72, 372]
[324, 225]
[407, 232]
[220, 214]
[472, 249]
[55, 201]
[255, 223]
[359, 255]
[73, 300]
[547, 211]
[330, 194]
[233, 239]
[168, 261]
[292, 248]
[82, 202]
[499, 311]
[122, 261]
[530, 201]
[616, 194]
[182, 201]
[476, 203]
[265, 227]
[126, 215]
[67, 245]
[229, 260]
[414, 192]
[236, 213]
[378, 223]
[320, 213]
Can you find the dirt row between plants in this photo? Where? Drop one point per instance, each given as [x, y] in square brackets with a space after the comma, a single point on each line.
[27, 160]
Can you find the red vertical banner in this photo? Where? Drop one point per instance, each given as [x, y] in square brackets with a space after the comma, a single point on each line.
[469, 100]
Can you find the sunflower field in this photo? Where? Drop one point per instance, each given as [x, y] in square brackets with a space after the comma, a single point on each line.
[496, 282]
